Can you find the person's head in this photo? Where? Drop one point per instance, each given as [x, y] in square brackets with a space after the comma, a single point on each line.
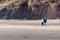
[44, 17]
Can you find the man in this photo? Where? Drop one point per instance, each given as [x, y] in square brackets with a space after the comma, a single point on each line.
[44, 21]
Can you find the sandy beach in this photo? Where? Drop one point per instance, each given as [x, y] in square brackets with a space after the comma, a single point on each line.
[29, 30]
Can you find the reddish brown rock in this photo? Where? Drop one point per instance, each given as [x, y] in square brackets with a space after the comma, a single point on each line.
[31, 10]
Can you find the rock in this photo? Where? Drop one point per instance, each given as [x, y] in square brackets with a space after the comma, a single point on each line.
[22, 10]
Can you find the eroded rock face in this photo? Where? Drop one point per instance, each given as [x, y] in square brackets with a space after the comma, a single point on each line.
[1, 1]
[13, 11]
[26, 10]
[8, 11]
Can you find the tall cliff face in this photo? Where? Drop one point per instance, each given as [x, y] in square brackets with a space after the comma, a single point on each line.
[24, 9]
[13, 10]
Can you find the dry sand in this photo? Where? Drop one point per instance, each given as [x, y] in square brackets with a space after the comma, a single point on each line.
[29, 30]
